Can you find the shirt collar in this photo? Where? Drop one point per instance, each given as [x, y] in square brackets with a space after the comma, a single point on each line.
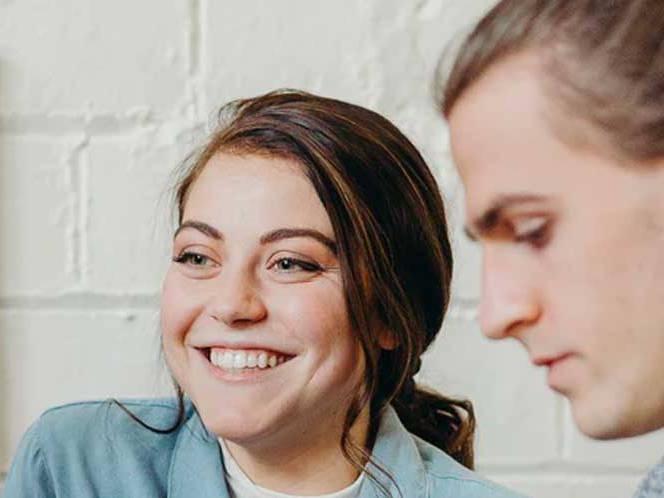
[196, 467]
[395, 452]
[241, 485]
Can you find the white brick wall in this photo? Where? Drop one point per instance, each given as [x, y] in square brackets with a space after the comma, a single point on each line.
[99, 101]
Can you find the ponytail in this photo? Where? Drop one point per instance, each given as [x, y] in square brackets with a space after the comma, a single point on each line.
[447, 423]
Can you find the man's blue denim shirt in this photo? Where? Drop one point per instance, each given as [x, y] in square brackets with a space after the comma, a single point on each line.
[94, 449]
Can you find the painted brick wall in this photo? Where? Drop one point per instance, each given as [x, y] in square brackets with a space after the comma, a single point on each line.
[100, 100]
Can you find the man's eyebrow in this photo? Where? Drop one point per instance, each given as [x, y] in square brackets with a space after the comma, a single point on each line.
[206, 229]
[492, 216]
[289, 233]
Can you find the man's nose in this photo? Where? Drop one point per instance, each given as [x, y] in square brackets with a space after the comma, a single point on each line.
[509, 302]
[237, 299]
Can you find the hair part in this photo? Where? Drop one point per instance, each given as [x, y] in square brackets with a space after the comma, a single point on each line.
[600, 62]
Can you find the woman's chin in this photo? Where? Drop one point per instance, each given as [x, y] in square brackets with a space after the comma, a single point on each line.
[239, 426]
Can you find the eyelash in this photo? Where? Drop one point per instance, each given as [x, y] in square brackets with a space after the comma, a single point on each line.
[304, 265]
[537, 237]
[187, 257]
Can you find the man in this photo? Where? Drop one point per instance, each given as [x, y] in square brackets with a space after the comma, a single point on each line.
[556, 115]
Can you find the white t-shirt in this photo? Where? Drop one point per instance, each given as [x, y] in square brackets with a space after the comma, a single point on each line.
[240, 486]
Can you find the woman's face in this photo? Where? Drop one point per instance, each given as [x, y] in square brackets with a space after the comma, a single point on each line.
[255, 328]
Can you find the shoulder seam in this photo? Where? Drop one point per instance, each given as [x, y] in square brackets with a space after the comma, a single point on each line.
[42, 458]
[149, 403]
[481, 482]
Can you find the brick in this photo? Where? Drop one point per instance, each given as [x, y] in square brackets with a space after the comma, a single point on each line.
[467, 276]
[511, 399]
[53, 357]
[408, 39]
[263, 45]
[572, 486]
[99, 57]
[36, 216]
[129, 226]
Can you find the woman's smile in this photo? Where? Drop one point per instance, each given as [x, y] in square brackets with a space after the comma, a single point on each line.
[243, 365]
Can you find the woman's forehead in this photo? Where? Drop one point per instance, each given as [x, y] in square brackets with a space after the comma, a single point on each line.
[257, 191]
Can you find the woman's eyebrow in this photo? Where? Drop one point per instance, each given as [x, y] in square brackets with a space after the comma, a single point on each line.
[272, 236]
[288, 233]
[206, 229]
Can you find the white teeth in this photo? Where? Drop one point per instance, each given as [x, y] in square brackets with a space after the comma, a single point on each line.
[240, 360]
[227, 361]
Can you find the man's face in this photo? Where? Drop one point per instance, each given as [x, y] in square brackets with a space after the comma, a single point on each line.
[573, 260]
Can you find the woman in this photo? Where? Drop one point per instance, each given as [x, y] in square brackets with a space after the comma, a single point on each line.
[311, 269]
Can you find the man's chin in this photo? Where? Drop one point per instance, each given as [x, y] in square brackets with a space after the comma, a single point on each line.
[601, 423]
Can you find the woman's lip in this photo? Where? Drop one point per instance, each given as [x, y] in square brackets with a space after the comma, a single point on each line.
[247, 374]
[270, 352]
[241, 347]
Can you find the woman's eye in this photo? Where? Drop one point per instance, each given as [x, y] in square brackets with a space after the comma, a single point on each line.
[288, 265]
[193, 259]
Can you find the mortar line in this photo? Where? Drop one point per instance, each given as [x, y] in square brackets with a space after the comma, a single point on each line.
[63, 126]
[73, 231]
[82, 301]
[568, 431]
[83, 214]
[201, 12]
[194, 37]
[561, 467]
[560, 427]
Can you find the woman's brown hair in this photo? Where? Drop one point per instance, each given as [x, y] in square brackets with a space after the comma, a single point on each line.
[390, 229]
[602, 62]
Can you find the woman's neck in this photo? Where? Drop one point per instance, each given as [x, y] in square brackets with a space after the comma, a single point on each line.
[312, 464]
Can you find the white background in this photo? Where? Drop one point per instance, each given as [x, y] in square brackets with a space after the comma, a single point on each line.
[99, 101]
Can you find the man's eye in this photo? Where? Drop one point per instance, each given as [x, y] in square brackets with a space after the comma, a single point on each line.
[288, 265]
[534, 231]
[193, 259]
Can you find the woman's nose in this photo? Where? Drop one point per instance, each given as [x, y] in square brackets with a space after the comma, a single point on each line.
[237, 300]
[509, 304]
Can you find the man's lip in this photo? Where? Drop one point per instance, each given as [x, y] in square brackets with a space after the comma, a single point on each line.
[547, 361]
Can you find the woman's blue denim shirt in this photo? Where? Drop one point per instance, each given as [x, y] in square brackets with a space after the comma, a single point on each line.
[94, 449]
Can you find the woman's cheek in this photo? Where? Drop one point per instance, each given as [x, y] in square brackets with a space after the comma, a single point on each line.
[179, 308]
[177, 315]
